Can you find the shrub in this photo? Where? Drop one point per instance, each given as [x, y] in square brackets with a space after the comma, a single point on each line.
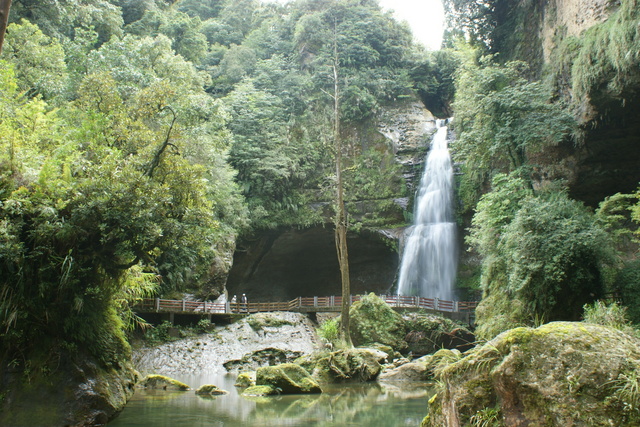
[627, 281]
[612, 315]
[159, 334]
[330, 330]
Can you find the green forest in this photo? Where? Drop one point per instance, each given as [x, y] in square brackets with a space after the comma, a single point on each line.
[140, 139]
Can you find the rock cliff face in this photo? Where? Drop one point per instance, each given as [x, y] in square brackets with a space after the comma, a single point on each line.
[230, 346]
[589, 49]
[284, 264]
[606, 163]
[408, 128]
[287, 263]
[572, 17]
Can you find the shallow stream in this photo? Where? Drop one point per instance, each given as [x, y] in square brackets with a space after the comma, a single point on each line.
[371, 405]
[198, 360]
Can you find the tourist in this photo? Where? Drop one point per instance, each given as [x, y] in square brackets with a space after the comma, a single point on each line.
[244, 304]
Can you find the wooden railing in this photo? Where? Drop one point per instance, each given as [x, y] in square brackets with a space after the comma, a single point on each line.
[319, 304]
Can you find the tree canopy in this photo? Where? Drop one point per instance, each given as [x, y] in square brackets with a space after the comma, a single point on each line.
[139, 138]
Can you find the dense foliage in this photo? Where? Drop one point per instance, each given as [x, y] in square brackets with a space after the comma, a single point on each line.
[138, 138]
[545, 256]
[501, 119]
[113, 181]
[599, 66]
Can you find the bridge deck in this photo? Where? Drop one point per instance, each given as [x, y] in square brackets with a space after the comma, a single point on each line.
[463, 309]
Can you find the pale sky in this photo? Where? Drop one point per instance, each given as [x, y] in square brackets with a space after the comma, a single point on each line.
[425, 17]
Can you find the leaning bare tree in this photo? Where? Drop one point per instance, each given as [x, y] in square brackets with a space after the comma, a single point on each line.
[5, 6]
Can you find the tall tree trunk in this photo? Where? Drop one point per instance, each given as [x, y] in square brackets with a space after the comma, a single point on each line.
[341, 215]
[5, 6]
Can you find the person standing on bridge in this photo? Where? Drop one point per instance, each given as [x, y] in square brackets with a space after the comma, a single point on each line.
[234, 301]
[244, 303]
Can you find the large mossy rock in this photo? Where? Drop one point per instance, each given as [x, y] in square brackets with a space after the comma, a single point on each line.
[374, 321]
[560, 374]
[161, 382]
[246, 379]
[210, 390]
[351, 365]
[79, 392]
[288, 378]
[428, 333]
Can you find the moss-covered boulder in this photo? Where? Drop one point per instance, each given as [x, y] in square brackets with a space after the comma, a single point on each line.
[287, 378]
[246, 379]
[388, 350]
[356, 364]
[374, 321]
[161, 382]
[309, 361]
[78, 392]
[560, 374]
[210, 390]
[427, 333]
[259, 391]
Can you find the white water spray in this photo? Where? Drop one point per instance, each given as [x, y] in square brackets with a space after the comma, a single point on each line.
[429, 260]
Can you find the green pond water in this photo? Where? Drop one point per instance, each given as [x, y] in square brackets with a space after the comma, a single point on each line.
[371, 405]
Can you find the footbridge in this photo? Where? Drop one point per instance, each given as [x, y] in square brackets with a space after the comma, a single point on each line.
[458, 310]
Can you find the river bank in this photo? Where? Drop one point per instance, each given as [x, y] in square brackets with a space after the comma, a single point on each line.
[207, 353]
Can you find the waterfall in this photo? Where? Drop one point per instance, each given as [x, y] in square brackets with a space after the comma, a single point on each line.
[429, 259]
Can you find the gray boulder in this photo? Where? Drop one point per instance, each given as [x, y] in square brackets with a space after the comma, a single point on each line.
[412, 371]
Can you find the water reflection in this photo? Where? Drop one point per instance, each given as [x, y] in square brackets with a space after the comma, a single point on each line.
[370, 404]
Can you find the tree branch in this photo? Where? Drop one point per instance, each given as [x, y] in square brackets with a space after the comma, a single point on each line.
[156, 158]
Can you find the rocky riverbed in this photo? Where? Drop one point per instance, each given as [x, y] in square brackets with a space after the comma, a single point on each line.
[292, 333]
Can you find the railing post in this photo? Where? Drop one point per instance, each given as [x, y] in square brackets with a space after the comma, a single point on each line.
[332, 301]
[435, 303]
[455, 306]
[227, 307]
[184, 305]
[315, 301]
[416, 301]
[157, 304]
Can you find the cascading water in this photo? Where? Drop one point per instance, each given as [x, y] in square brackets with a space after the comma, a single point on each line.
[429, 260]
